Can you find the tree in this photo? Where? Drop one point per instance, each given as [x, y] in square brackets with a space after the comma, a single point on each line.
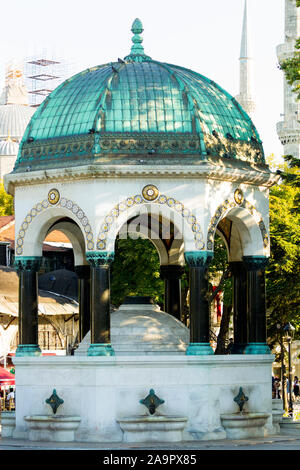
[6, 202]
[283, 272]
[136, 271]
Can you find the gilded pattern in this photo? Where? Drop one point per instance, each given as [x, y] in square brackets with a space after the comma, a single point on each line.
[177, 206]
[45, 204]
[225, 207]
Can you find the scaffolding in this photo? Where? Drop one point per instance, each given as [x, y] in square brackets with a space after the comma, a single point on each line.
[43, 75]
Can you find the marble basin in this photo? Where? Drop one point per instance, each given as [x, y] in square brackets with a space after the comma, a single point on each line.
[52, 428]
[8, 423]
[244, 425]
[157, 428]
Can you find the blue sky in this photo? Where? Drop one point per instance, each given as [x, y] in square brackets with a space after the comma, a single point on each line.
[203, 35]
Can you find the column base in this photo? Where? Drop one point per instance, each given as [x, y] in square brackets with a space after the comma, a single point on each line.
[257, 348]
[199, 349]
[101, 349]
[28, 350]
[238, 348]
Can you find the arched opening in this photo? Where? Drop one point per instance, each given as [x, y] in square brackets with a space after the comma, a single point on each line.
[148, 261]
[50, 285]
[240, 244]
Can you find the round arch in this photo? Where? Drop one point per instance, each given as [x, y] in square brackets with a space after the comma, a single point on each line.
[187, 227]
[42, 217]
[249, 235]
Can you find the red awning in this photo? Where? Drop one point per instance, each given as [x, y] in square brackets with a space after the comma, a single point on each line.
[43, 354]
[6, 378]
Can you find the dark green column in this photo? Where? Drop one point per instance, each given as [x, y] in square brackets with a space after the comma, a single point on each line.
[28, 268]
[171, 274]
[100, 303]
[240, 320]
[198, 262]
[83, 273]
[256, 305]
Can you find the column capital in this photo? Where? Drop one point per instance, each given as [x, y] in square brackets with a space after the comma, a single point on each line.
[255, 263]
[100, 258]
[171, 271]
[198, 259]
[28, 263]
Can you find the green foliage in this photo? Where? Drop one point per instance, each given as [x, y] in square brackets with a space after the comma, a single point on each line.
[136, 271]
[218, 266]
[6, 202]
[283, 272]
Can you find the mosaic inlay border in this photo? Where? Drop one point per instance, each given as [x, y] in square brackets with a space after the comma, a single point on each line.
[41, 207]
[113, 215]
[225, 207]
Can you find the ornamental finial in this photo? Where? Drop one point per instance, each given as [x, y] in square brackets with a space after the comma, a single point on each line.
[137, 53]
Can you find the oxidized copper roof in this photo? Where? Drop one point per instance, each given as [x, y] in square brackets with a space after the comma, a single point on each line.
[137, 106]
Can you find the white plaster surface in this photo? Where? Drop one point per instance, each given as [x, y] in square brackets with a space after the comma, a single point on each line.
[97, 197]
[102, 390]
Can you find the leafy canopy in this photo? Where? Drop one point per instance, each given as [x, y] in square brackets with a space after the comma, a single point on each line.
[6, 202]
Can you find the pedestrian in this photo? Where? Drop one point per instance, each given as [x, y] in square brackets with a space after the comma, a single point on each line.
[10, 396]
[296, 387]
[277, 386]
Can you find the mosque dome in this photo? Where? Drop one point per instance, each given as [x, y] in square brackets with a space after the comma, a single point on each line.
[133, 107]
[8, 147]
[14, 119]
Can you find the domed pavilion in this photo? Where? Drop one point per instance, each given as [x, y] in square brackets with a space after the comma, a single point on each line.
[138, 147]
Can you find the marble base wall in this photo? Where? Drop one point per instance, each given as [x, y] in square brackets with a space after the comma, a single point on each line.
[102, 390]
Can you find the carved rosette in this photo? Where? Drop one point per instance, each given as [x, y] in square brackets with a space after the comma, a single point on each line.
[137, 142]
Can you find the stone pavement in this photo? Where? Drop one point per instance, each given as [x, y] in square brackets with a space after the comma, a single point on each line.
[268, 443]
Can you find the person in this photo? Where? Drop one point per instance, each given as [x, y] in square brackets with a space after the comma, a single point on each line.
[10, 396]
[296, 387]
[277, 386]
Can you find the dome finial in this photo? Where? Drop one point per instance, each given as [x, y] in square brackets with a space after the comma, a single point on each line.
[137, 53]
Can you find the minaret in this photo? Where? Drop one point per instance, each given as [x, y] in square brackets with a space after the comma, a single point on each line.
[245, 97]
[289, 129]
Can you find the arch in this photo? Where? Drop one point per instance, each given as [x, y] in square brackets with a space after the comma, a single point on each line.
[171, 209]
[175, 254]
[248, 226]
[40, 219]
[74, 234]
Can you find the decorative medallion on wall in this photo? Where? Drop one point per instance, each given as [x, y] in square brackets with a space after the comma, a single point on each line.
[53, 196]
[45, 204]
[225, 207]
[150, 191]
[238, 196]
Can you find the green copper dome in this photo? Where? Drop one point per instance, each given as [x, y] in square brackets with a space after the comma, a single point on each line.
[137, 106]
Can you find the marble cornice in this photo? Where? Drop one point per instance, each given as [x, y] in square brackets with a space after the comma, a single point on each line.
[250, 175]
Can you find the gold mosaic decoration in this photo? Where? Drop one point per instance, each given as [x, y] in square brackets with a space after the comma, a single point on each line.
[45, 204]
[112, 216]
[53, 196]
[238, 196]
[150, 192]
[225, 207]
